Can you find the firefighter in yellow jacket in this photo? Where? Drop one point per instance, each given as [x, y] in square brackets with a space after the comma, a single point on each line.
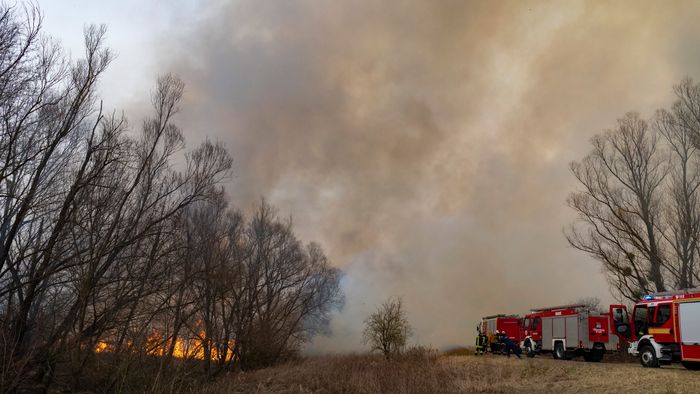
[493, 342]
[481, 342]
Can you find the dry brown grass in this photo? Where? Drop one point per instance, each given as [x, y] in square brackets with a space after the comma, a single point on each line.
[414, 372]
[426, 372]
[459, 351]
[500, 375]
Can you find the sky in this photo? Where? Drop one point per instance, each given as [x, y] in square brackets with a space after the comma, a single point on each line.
[424, 144]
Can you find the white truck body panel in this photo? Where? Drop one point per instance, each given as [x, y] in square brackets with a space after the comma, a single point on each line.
[689, 316]
[572, 331]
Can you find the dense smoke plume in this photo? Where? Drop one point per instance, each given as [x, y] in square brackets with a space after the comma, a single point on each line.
[426, 144]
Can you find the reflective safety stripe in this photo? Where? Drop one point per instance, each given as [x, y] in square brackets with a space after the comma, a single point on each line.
[659, 331]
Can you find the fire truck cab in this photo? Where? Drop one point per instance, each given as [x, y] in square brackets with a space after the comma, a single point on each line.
[666, 329]
[571, 330]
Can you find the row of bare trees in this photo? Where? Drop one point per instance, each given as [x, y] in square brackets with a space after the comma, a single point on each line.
[118, 241]
[638, 201]
[248, 290]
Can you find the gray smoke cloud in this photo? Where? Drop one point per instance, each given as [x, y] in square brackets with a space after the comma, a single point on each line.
[426, 144]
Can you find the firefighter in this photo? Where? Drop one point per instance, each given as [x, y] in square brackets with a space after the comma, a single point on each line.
[499, 342]
[484, 342]
[496, 345]
[510, 347]
[492, 342]
[480, 344]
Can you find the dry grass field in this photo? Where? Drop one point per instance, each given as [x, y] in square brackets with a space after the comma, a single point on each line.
[422, 372]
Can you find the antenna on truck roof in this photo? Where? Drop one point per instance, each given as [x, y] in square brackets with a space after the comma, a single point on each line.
[560, 307]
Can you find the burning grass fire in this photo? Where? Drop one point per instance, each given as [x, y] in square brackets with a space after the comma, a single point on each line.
[188, 347]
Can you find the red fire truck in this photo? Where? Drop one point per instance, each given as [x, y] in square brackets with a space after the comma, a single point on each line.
[570, 330]
[510, 324]
[666, 328]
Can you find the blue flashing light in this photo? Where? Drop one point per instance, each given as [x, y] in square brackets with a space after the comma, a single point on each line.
[648, 297]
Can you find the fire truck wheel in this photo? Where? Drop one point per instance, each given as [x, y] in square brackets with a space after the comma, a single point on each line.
[648, 357]
[559, 352]
[693, 366]
[529, 351]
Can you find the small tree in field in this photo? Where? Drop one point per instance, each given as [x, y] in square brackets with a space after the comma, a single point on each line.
[387, 329]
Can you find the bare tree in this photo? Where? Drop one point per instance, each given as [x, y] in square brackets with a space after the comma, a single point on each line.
[84, 206]
[50, 132]
[681, 128]
[638, 205]
[288, 294]
[619, 206]
[387, 330]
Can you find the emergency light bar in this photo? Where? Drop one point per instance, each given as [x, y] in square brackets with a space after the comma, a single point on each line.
[650, 297]
[665, 295]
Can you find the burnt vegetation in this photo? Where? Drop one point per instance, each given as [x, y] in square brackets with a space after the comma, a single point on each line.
[122, 266]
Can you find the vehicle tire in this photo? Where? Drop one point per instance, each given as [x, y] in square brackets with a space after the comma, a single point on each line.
[529, 349]
[647, 356]
[691, 365]
[559, 352]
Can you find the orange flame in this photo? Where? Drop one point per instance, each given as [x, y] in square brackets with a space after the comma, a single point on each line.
[102, 346]
[193, 347]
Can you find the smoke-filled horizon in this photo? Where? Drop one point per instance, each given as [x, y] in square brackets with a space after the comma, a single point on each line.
[424, 145]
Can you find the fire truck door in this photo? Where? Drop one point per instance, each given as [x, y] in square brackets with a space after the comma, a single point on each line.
[620, 321]
[661, 325]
